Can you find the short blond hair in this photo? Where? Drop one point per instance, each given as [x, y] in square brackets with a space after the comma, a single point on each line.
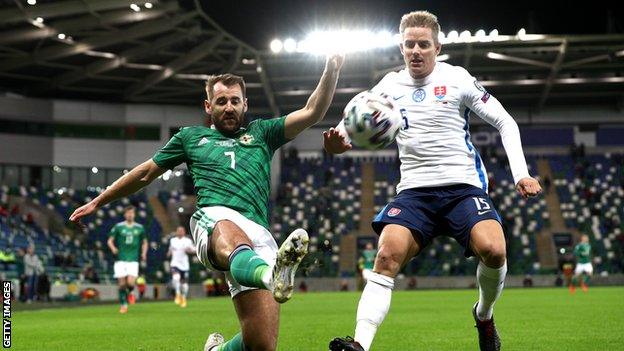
[424, 19]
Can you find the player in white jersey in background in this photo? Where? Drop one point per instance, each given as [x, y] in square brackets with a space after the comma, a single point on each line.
[443, 187]
[180, 246]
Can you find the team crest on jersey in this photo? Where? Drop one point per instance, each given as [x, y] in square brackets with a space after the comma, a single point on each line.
[393, 212]
[440, 92]
[246, 139]
[419, 95]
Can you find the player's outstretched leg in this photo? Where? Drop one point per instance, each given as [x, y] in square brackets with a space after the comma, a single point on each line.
[290, 254]
[488, 336]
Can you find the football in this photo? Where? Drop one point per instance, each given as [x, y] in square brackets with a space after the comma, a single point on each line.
[372, 120]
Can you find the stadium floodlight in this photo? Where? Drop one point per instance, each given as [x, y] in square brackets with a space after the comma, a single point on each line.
[441, 36]
[32, 2]
[290, 45]
[180, 209]
[493, 34]
[39, 19]
[480, 35]
[135, 7]
[465, 36]
[443, 57]
[494, 55]
[61, 36]
[344, 41]
[452, 36]
[148, 5]
[276, 45]
[94, 170]
[521, 32]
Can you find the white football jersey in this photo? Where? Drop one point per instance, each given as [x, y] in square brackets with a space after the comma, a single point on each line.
[434, 142]
[179, 255]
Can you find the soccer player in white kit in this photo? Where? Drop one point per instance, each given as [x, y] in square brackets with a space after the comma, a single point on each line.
[180, 246]
[443, 187]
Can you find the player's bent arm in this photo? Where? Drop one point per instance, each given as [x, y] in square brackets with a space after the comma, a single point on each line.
[493, 112]
[318, 103]
[111, 244]
[131, 182]
[144, 246]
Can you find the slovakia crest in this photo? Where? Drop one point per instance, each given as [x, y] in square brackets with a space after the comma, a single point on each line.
[440, 92]
[393, 212]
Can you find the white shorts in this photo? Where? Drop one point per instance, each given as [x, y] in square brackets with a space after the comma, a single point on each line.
[202, 224]
[584, 268]
[126, 268]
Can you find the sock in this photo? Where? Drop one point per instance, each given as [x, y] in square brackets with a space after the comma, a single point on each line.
[130, 289]
[373, 307]
[491, 281]
[247, 268]
[176, 283]
[123, 296]
[184, 289]
[234, 344]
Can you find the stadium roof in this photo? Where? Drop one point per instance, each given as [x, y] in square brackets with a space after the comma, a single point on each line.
[132, 51]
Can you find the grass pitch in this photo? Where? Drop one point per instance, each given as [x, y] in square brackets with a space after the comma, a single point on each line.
[527, 319]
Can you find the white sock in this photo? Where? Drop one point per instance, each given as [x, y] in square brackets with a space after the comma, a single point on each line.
[373, 307]
[185, 289]
[176, 284]
[491, 281]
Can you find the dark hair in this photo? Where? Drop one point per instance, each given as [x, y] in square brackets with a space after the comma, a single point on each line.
[129, 208]
[228, 79]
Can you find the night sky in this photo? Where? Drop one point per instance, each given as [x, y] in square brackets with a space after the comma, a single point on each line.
[258, 22]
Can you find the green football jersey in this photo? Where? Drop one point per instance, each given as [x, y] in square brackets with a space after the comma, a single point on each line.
[368, 256]
[582, 251]
[128, 240]
[232, 172]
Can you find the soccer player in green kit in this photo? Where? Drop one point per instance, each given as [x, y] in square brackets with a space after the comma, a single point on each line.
[124, 241]
[230, 167]
[584, 268]
[367, 260]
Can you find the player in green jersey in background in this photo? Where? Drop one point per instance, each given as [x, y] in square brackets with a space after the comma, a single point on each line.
[230, 167]
[124, 240]
[367, 260]
[584, 268]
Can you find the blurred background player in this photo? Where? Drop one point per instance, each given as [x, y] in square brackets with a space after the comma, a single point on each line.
[231, 168]
[180, 246]
[125, 240]
[584, 268]
[367, 260]
[443, 186]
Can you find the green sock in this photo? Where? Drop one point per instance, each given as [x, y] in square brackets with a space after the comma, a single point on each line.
[586, 279]
[248, 268]
[123, 296]
[234, 344]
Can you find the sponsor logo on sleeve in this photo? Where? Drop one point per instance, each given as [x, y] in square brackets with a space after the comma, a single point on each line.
[485, 97]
